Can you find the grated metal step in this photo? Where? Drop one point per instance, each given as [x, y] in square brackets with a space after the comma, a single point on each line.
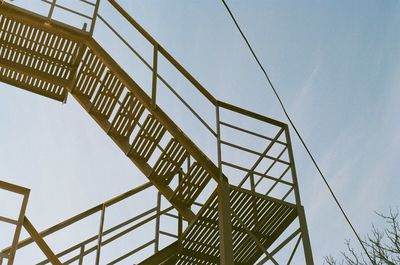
[35, 59]
[264, 217]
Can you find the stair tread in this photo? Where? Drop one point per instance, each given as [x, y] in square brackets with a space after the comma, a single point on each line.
[270, 218]
[192, 184]
[147, 139]
[170, 161]
[127, 116]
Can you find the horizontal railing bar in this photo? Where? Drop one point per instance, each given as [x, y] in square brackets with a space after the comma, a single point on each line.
[254, 152]
[4, 255]
[270, 166]
[273, 164]
[87, 2]
[133, 219]
[168, 234]
[256, 173]
[127, 194]
[80, 216]
[68, 9]
[8, 220]
[250, 114]
[108, 231]
[177, 65]
[188, 106]
[276, 183]
[105, 242]
[158, 75]
[132, 252]
[172, 215]
[85, 253]
[250, 132]
[125, 42]
[13, 188]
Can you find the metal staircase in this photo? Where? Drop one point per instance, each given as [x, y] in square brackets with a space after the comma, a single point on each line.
[239, 221]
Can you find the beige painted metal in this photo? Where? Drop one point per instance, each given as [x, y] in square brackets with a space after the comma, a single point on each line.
[82, 68]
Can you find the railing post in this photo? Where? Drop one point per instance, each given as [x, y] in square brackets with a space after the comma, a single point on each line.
[300, 210]
[219, 152]
[180, 218]
[100, 237]
[154, 81]
[225, 223]
[224, 206]
[81, 255]
[95, 12]
[21, 218]
[51, 11]
[157, 227]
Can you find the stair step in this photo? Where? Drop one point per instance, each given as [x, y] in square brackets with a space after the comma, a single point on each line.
[169, 163]
[191, 185]
[90, 73]
[107, 96]
[265, 217]
[35, 59]
[147, 139]
[127, 117]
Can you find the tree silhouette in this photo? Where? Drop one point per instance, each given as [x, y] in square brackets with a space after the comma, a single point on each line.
[383, 246]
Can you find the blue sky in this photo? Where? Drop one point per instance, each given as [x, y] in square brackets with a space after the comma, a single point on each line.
[335, 63]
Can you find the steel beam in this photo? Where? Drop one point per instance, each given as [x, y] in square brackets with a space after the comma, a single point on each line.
[40, 242]
[225, 224]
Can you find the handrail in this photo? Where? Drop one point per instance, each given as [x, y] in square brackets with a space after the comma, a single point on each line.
[168, 56]
[121, 228]
[250, 114]
[219, 105]
[53, 5]
[158, 75]
[82, 215]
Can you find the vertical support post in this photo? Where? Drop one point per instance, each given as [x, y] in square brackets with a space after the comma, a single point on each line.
[219, 151]
[154, 82]
[300, 210]
[224, 206]
[225, 224]
[100, 238]
[81, 254]
[17, 233]
[180, 219]
[157, 229]
[51, 11]
[94, 17]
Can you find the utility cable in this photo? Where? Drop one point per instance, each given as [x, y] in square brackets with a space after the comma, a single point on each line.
[297, 132]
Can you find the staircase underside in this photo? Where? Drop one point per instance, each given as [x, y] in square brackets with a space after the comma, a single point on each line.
[53, 60]
[253, 215]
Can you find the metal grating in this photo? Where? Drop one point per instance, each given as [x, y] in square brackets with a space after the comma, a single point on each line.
[41, 57]
[107, 96]
[170, 161]
[253, 214]
[90, 73]
[192, 184]
[35, 59]
[127, 116]
[147, 139]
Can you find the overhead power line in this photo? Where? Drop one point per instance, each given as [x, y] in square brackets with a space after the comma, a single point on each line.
[296, 131]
